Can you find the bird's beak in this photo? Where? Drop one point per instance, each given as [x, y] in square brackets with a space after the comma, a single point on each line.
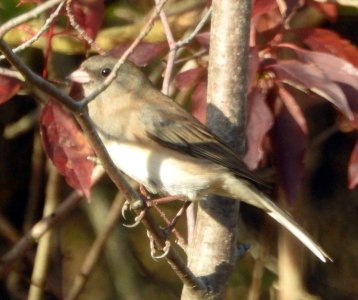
[80, 76]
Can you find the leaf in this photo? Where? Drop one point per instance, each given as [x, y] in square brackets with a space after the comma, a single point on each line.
[335, 69]
[8, 88]
[204, 39]
[67, 147]
[198, 101]
[330, 42]
[289, 143]
[353, 168]
[293, 108]
[189, 78]
[259, 123]
[143, 54]
[309, 77]
[262, 7]
[89, 15]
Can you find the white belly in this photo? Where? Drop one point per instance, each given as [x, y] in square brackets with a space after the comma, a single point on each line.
[163, 171]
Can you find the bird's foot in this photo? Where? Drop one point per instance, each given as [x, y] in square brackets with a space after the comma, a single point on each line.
[154, 249]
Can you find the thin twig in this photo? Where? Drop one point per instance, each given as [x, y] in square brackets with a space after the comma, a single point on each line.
[198, 27]
[40, 228]
[45, 27]
[175, 46]
[83, 34]
[171, 57]
[38, 10]
[97, 249]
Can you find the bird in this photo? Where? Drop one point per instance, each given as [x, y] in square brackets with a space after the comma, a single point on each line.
[156, 142]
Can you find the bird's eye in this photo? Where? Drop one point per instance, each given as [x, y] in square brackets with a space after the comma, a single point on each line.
[105, 72]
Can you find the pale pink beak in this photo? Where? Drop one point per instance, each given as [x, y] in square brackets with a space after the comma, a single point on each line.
[80, 76]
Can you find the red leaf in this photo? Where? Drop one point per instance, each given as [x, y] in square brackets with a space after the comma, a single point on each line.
[309, 77]
[198, 108]
[353, 168]
[8, 88]
[262, 7]
[289, 143]
[328, 41]
[337, 70]
[203, 38]
[67, 147]
[143, 53]
[259, 122]
[189, 78]
[89, 15]
[293, 108]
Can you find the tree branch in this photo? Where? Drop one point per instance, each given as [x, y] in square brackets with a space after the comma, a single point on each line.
[212, 253]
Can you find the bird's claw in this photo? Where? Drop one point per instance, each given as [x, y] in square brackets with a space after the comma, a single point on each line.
[137, 220]
[153, 248]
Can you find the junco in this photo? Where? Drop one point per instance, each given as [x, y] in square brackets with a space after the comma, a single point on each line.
[160, 145]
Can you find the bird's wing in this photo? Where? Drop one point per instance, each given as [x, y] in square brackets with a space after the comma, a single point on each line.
[174, 128]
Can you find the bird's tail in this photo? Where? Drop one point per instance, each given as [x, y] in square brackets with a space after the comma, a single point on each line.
[244, 191]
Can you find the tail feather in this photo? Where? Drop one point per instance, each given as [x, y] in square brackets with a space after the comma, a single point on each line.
[249, 194]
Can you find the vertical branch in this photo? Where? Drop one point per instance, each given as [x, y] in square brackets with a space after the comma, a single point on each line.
[39, 274]
[212, 252]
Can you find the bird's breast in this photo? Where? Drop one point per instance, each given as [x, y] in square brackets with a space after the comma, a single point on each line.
[164, 170]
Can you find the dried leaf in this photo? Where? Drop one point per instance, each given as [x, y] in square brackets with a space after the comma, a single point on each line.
[259, 122]
[67, 147]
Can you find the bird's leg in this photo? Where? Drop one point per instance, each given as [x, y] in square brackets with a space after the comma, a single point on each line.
[178, 215]
[127, 206]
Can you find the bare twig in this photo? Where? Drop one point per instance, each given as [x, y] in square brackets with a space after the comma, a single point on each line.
[79, 29]
[38, 34]
[97, 249]
[41, 227]
[175, 46]
[38, 10]
[8, 231]
[198, 27]
[37, 231]
[171, 56]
